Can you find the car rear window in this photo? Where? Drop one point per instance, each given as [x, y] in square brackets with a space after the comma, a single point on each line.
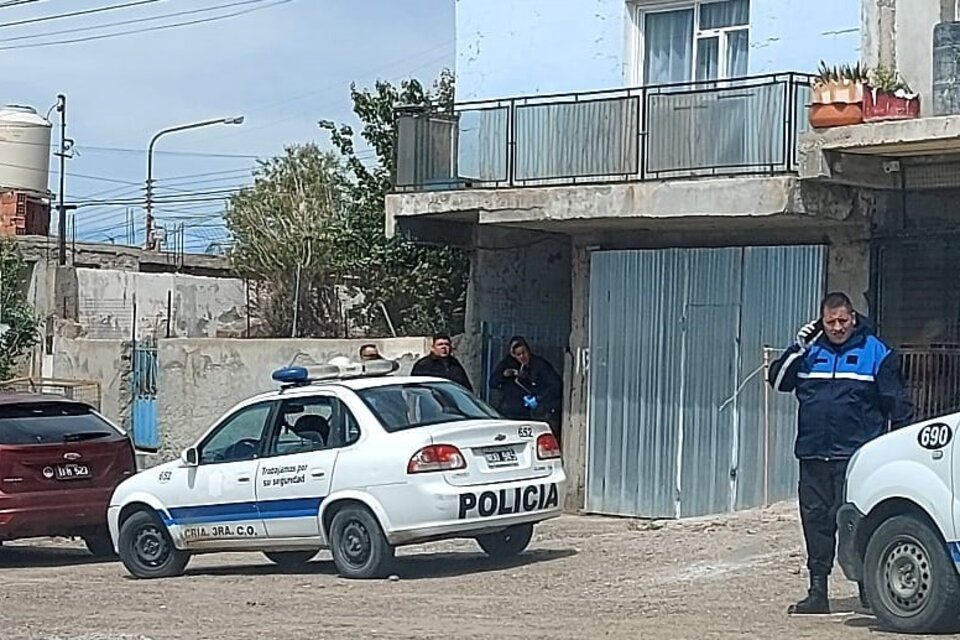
[412, 405]
[51, 422]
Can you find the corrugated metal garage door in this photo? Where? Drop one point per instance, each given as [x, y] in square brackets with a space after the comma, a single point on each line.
[677, 426]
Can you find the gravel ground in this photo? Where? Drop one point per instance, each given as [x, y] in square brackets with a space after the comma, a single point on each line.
[583, 577]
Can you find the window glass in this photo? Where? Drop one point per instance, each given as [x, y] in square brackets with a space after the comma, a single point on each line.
[412, 405]
[238, 437]
[313, 424]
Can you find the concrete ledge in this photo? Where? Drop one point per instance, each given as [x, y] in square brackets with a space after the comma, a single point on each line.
[891, 139]
[746, 196]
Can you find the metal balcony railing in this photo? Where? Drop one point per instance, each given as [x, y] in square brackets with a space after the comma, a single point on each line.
[724, 127]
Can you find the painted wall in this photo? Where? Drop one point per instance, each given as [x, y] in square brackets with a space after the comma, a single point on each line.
[200, 379]
[507, 48]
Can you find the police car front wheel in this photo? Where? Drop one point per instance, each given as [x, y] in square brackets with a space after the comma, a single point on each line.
[359, 548]
[910, 580]
[146, 549]
[506, 543]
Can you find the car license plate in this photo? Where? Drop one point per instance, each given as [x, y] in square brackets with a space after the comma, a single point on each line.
[501, 456]
[71, 471]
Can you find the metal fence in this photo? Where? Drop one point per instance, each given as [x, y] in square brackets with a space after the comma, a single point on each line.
[729, 127]
[932, 376]
[87, 391]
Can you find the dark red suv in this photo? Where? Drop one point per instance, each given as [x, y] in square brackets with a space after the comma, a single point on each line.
[59, 464]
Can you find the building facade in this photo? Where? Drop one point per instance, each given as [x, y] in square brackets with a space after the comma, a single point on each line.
[654, 212]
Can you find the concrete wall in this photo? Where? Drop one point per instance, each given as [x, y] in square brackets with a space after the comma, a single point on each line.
[202, 306]
[200, 379]
[105, 361]
[899, 33]
[507, 48]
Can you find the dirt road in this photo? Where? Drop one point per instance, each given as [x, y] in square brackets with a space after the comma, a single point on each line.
[583, 577]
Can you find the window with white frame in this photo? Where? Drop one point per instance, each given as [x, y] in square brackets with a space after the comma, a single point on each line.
[682, 42]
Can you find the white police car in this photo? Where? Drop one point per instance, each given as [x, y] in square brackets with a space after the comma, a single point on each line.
[899, 526]
[350, 459]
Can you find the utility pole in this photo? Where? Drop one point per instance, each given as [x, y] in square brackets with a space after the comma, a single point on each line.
[61, 207]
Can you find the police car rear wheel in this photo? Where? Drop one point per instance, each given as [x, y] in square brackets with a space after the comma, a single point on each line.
[506, 543]
[359, 548]
[910, 580]
[290, 559]
[146, 549]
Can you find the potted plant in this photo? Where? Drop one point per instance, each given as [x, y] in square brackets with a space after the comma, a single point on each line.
[837, 96]
[887, 97]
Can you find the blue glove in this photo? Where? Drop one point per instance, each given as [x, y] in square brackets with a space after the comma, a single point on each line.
[530, 402]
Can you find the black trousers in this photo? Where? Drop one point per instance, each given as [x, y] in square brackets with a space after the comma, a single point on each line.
[821, 494]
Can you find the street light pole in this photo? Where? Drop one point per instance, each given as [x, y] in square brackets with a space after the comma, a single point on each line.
[150, 240]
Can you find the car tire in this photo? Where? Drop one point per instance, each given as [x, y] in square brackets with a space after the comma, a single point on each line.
[146, 549]
[506, 543]
[910, 580]
[290, 559]
[100, 545]
[359, 548]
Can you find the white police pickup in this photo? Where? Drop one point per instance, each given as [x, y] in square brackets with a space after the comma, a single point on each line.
[899, 526]
[346, 458]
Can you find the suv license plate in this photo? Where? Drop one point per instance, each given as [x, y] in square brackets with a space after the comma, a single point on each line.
[501, 456]
[71, 471]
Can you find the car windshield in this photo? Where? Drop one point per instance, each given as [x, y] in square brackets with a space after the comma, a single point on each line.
[51, 422]
[420, 404]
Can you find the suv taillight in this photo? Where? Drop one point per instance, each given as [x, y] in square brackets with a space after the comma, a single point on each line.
[547, 447]
[436, 457]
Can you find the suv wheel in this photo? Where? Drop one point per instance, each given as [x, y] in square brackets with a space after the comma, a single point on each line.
[910, 580]
[506, 543]
[290, 559]
[100, 545]
[359, 548]
[147, 550]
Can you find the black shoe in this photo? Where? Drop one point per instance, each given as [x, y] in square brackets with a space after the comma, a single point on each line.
[816, 600]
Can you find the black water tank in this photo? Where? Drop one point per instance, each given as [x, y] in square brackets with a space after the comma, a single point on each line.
[946, 69]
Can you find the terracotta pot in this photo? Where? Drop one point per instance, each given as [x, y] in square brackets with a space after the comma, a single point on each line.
[837, 114]
[882, 105]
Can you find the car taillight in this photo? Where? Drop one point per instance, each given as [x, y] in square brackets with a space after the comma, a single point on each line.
[436, 457]
[547, 447]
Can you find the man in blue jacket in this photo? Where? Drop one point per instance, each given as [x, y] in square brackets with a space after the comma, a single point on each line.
[850, 390]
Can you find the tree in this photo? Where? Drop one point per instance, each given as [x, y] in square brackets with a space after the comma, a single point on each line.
[18, 320]
[283, 237]
[422, 288]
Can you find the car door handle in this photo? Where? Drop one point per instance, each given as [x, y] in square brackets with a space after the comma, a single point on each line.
[243, 478]
[318, 473]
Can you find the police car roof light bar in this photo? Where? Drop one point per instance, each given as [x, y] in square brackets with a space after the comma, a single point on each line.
[297, 376]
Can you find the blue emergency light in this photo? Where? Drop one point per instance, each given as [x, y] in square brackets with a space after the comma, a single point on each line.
[292, 375]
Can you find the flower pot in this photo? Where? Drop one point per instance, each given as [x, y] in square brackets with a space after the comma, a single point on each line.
[885, 105]
[836, 114]
[845, 92]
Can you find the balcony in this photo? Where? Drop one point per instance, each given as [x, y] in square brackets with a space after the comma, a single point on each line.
[735, 127]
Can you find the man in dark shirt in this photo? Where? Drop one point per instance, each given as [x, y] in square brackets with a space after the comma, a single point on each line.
[439, 363]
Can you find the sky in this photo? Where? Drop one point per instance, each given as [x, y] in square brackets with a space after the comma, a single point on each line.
[283, 65]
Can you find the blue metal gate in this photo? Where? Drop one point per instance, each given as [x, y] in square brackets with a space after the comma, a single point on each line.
[145, 435]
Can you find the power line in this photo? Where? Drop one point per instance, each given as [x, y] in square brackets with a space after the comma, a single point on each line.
[275, 3]
[74, 14]
[16, 3]
[121, 23]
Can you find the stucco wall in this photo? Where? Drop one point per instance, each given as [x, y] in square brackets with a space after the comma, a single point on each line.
[200, 379]
[99, 360]
[201, 306]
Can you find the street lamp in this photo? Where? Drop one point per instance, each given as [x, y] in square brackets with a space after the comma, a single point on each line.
[150, 241]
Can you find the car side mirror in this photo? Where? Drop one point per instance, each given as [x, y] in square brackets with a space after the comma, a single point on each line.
[190, 457]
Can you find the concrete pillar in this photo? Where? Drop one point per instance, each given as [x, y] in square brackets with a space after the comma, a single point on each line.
[576, 368]
[848, 269]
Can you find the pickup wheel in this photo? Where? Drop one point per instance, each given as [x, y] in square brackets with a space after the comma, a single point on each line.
[359, 548]
[146, 549]
[910, 580]
[506, 543]
[290, 559]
